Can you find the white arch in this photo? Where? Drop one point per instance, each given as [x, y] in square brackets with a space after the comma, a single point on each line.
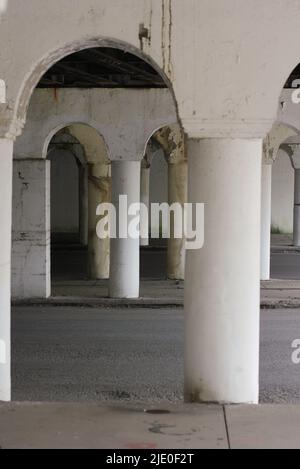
[45, 63]
[124, 118]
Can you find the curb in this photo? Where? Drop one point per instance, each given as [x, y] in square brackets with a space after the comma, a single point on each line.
[138, 303]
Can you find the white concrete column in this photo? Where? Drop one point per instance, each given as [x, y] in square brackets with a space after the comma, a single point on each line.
[145, 199]
[99, 193]
[177, 190]
[222, 288]
[293, 151]
[297, 209]
[83, 204]
[6, 155]
[125, 251]
[31, 229]
[172, 140]
[266, 214]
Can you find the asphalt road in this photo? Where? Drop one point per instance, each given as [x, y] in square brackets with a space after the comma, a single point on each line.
[285, 265]
[83, 354]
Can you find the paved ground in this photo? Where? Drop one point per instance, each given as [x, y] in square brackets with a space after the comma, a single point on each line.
[179, 426]
[116, 355]
[69, 261]
[118, 362]
[274, 294]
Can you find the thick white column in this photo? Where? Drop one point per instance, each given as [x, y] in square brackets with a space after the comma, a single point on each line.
[99, 193]
[266, 213]
[297, 209]
[83, 204]
[31, 229]
[6, 155]
[222, 288]
[177, 189]
[145, 199]
[125, 251]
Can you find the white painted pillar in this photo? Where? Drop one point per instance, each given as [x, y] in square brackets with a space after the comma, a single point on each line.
[222, 288]
[297, 209]
[177, 190]
[83, 204]
[125, 251]
[6, 155]
[266, 214]
[99, 193]
[145, 199]
[31, 277]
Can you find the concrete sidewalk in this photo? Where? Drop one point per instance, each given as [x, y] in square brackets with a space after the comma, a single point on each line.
[161, 293]
[181, 426]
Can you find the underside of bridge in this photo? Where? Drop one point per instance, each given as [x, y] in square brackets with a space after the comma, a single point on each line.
[150, 170]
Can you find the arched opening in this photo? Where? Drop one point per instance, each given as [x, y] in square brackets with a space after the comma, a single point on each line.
[165, 167]
[67, 191]
[80, 181]
[281, 159]
[68, 149]
[154, 190]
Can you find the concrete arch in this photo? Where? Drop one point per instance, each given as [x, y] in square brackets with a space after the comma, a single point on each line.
[78, 152]
[125, 133]
[279, 134]
[288, 111]
[46, 62]
[162, 142]
[67, 126]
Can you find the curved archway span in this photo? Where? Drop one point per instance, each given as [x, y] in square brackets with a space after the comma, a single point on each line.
[46, 62]
[68, 127]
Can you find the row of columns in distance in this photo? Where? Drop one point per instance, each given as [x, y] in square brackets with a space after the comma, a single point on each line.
[101, 181]
[293, 152]
[222, 284]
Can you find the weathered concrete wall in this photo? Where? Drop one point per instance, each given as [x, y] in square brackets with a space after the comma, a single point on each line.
[190, 41]
[125, 118]
[31, 229]
[282, 194]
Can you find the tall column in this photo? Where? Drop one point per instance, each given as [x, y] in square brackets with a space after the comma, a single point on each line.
[145, 198]
[31, 229]
[297, 209]
[266, 213]
[172, 140]
[177, 190]
[83, 204]
[6, 155]
[99, 193]
[222, 288]
[125, 250]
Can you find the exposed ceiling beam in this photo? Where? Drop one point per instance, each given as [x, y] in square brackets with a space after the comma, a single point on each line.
[126, 67]
[90, 77]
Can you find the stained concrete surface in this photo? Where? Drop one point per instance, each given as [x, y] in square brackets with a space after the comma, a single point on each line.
[129, 355]
[76, 426]
[130, 427]
[264, 427]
